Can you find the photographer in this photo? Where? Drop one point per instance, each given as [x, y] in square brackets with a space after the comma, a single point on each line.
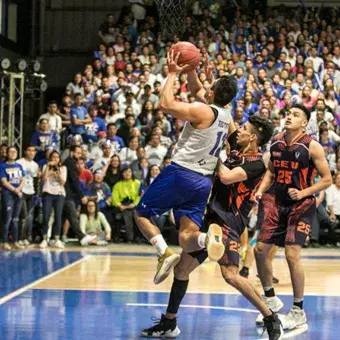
[54, 179]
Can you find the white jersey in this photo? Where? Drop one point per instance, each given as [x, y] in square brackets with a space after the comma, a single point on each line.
[199, 149]
[31, 171]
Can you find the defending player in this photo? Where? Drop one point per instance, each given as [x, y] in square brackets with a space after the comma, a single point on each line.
[230, 203]
[288, 213]
[184, 186]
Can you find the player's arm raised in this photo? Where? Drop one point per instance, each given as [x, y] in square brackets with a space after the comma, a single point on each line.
[317, 154]
[194, 84]
[195, 112]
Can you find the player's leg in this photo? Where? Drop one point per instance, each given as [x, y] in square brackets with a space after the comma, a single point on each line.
[244, 244]
[167, 326]
[160, 197]
[271, 320]
[298, 228]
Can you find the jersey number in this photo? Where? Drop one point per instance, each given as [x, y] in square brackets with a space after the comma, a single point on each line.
[303, 228]
[284, 177]
[215, 151]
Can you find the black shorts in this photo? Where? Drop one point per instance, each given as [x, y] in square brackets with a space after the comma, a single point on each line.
[286, 223]
[232, 228]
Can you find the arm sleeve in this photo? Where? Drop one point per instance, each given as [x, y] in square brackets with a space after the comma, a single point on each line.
[254, 169]
[82, 223]
[104, 222]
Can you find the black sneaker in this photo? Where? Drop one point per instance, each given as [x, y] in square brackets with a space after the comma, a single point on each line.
[163, 328]
[244, 272]
[273, 326]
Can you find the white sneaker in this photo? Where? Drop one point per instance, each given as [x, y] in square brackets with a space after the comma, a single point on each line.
[58, 244]
[51, 243]
[43, 244]
[213, 243]
[86, 240]
[274, 304]
[295, 318]
[102, 243]
[21, 243]
[26, 243]
[64, 239]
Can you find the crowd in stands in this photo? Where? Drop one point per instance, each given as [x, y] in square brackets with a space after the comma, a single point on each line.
[95, 152]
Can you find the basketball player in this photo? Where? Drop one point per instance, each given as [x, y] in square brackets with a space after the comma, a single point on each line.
[288, 213]
[184, 186]
[231, 200]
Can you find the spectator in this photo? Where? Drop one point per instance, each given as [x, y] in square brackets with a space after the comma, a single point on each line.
[76, 86]
[107, 30]
[32, 174]
[84, 175]
[112, 175]
[12, 180]
[333, 203]
[155, 152]
[124, 130]
[3, 153]
[54, 120]
[94, 223]
[74, 193]
[42, 138]
[79, 116]
[54, 179]
[125, 197]
[95, 126]
[129, 154]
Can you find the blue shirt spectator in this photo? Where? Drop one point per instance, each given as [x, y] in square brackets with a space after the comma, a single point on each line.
[79, 116]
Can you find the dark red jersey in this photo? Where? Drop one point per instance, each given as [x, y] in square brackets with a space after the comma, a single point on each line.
[293, 167]
[238, 198]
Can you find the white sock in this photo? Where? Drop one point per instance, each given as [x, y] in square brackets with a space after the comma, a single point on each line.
[201, 240]
[160, 244]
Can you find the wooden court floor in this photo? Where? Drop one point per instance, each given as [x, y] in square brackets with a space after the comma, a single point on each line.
[96, 283]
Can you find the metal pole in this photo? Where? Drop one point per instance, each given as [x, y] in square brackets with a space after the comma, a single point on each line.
[21, 128]
[42, 28]
[2, 109]
[34, 28]
[11, 110]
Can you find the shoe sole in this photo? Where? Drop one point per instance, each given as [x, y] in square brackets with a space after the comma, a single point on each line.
[165, 336]
[215, 247]
[260, 322]
[165, 270]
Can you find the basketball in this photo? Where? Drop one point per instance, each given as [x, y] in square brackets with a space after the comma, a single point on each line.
[190, 55]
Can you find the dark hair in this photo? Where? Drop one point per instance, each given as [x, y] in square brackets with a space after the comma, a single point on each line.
[302, 108]
[55, 152]
[124, 169]
[42, 119]
[225, 90]
[52, 102]
[148, 176]
[74, 147]
[263, 128]
[29, 146]
[84, 210]
[110, 124]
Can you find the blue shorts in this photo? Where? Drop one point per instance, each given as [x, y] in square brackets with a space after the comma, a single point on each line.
[180, 189]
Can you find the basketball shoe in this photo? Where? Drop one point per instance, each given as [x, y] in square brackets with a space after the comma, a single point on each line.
[295, 318]
[274, 304]
[273, 326]
[165, 263]
[213, 242]
[163, 328]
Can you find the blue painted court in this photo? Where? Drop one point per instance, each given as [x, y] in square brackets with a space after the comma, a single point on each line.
[41, 313]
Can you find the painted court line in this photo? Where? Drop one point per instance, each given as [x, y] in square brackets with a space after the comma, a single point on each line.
[193, 306]
[34, 283]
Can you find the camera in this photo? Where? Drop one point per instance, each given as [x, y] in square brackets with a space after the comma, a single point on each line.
[54, 168]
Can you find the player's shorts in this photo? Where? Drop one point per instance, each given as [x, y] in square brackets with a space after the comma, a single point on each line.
[286, 223]
[232, 228]
[178, 188]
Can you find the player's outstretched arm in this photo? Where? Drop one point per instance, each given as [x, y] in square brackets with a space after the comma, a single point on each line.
[195, 112]
[317, 154]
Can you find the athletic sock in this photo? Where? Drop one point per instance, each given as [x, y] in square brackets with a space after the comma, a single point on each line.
[177, 293]
[298, 303]
[269, 291]
[160, 244]
[201, 240]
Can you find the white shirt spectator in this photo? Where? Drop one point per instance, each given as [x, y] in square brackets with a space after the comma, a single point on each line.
[333, 198]
[317, 61]
[155, 155]
[54, 121]
[122, 103]
[336, 61]
[31, 172]
[127, 155]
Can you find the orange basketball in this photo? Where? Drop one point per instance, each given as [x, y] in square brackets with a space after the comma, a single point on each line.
[190, 54]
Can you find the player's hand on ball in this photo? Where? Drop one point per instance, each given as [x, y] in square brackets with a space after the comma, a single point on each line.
[295, 194]
[173, 63]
